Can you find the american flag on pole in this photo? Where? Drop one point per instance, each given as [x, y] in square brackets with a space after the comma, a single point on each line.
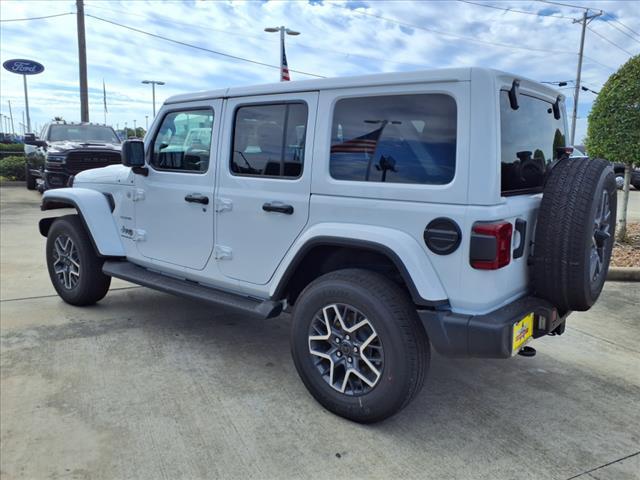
[364, 144]
[284, 68]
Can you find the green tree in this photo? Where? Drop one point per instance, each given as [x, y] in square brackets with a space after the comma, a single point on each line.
[613, 130]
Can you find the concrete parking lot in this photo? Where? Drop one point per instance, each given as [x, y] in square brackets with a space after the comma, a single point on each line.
[145, 385]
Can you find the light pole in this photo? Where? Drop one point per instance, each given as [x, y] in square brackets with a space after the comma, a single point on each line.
[135, 129]
[153, 91]
[146, 122]
[282, 29]
[585, 89]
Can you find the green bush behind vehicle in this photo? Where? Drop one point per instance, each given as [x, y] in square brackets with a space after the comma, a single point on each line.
[12, 168]
[11, 147]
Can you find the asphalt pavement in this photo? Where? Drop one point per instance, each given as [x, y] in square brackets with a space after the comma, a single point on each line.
[148, 386]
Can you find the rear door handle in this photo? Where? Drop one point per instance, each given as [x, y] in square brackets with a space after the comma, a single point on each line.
[278, 207]
[197, 198]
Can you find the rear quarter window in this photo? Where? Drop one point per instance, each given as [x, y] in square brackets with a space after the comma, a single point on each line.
[394, 139]
[530, 137]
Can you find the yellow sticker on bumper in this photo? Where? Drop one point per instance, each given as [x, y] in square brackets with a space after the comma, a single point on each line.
[522, 331]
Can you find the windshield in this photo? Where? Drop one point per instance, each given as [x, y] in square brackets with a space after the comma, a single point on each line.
[82, 133]
[530, 137]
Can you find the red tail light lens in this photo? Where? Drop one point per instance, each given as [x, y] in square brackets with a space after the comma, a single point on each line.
[491, 245]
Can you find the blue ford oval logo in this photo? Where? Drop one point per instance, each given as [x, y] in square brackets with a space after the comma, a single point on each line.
[23, 67]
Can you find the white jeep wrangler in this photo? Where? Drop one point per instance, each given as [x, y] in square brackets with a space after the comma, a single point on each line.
[392, 213]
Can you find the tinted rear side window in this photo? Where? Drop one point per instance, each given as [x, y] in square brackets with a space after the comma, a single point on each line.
[395, 139]
[530, 137]
[269, 140]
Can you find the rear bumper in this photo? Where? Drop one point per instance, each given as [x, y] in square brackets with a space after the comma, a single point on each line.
[489, 335]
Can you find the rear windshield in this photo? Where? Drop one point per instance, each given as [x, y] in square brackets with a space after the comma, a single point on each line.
[530, 138]
[82, 133]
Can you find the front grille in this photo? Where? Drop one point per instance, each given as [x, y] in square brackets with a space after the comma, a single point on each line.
[80, 161]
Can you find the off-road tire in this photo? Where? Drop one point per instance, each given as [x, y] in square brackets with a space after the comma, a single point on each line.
[562, 267]
[30, 179]
[405, 344]
[91, 284]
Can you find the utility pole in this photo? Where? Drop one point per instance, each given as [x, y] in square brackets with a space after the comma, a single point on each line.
[25, 129]
[82, 60]
[586, 19]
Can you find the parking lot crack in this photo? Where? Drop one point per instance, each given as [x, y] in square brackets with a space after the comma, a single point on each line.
[603, 466]
[55, 295]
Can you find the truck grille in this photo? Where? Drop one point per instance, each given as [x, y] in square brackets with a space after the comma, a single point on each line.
[80, 161]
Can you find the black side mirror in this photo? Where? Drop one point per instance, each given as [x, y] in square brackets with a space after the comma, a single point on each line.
[132, 155]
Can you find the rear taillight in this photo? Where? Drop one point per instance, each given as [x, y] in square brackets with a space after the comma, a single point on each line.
[490, 245]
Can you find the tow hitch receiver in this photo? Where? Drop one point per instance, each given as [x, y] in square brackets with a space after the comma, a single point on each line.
[527, 351]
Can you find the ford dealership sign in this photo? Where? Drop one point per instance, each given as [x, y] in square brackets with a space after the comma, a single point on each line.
[23, 67]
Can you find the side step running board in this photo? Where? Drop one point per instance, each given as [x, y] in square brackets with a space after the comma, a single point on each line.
[141, 276]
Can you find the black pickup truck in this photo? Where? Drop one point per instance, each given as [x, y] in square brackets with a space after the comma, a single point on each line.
[64, 149]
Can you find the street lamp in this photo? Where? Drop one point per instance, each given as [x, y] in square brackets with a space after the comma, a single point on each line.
[146, 122]
[585, 89]
[135, 129]
[282, 31]
[153, 91]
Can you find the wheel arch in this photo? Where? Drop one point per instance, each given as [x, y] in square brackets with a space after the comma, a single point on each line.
[94, 209]
[309, 262]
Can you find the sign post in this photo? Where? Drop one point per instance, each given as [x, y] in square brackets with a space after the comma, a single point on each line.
[24, 67]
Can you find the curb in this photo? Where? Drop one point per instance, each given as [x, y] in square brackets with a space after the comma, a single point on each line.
[624, 274]
[12, 183]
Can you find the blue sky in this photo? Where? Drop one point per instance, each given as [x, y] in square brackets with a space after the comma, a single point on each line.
[338, 39]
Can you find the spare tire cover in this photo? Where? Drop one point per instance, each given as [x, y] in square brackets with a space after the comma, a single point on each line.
[575, 233]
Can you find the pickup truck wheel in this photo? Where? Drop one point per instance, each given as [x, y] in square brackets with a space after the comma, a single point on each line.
[575, 233]
[358, 345]
[30, 179]
[74, 267]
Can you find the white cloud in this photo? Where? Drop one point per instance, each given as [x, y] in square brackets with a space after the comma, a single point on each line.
[335, 41]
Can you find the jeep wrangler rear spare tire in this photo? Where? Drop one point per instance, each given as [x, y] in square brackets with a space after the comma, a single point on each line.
[358, 344]
[575, 233]
[74, 267]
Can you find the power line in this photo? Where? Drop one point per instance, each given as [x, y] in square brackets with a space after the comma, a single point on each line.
[565, 4]
[178, 42]
[621, 31]
[263, 39]
[468, 39]
[599, 63]
[609, 41]
[36, 18]
[192, 25]
[513, 10]
[612, 18]
[628, 28]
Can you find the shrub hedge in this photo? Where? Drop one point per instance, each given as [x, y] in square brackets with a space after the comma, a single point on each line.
[12, 147]
[12, 168]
